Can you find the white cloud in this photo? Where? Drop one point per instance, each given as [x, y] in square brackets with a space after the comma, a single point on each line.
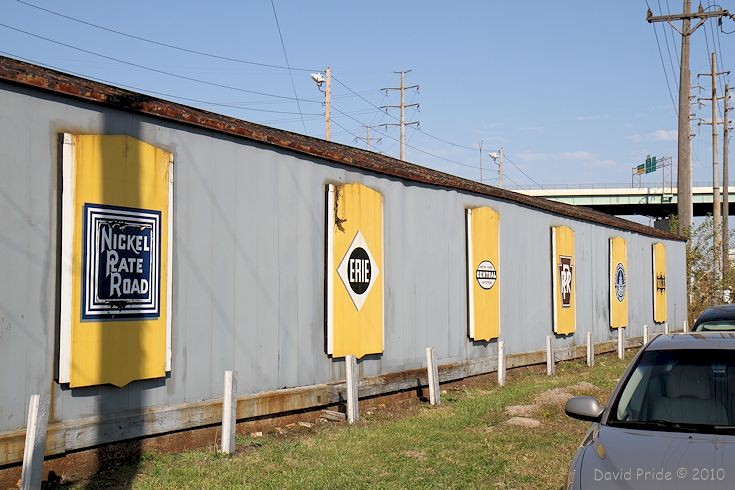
[588, 158]
[575, 155]
[665, 135]
[530, 156]
[595, 117]
[658, 135]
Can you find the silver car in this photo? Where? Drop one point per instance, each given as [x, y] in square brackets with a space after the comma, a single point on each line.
[670, 422]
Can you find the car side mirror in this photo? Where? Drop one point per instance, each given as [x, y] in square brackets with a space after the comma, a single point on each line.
[584, 408]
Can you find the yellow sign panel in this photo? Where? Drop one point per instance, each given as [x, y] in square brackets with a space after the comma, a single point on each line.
[116, 255]
[354, 271]
[563, 280]
[659, 283]
[483, 261]
[618, 282]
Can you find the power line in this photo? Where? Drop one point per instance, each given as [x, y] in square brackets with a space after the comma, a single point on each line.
[290, 73]
[159, 43]
[663, 65]
[436, 138]
[524, 173]
[343, 128]
[397, 119]
[154, 92]
[410, 146]
[673, 39]
[148, 68]
[671, 61]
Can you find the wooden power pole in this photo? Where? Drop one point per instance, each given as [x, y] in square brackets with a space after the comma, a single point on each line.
[717, 229]
[684, 163]
[726, 185]
[328, 104]
[402, 121]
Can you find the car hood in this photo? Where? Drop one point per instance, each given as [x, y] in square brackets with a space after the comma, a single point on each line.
[617, 457]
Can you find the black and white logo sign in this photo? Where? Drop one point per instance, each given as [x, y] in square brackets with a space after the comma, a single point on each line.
[620, 282]
[661, 284]
[121, 264]
[358, 270]
[565, 280]
[486, 274]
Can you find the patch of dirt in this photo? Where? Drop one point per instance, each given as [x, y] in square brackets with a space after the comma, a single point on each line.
[554, 396]
[420, 455]
[521, 410]
[584, 387]
[523, 422]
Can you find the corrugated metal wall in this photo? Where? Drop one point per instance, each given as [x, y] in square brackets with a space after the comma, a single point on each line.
[248, 291]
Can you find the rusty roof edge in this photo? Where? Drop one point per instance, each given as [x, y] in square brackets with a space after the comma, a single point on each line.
[38, 77]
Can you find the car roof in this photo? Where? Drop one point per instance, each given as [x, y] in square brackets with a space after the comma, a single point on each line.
[694, 341]
[720, 312]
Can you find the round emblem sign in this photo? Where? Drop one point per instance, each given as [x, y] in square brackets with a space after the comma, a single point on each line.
[486, 274]
[359, 270]
[620, 282]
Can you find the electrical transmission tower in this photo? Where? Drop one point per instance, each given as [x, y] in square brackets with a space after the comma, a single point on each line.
[402, 122]
[367, 139]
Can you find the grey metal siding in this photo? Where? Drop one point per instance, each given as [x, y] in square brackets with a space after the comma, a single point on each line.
[248, 290]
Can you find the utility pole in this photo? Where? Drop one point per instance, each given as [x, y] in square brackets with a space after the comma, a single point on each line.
[498, 158]
[500, 168]
[684, 162]
[328, 105]
[367, 139]
[726, 185]
[481, 141]
[402, 107]
[716, 203]
[325, 79]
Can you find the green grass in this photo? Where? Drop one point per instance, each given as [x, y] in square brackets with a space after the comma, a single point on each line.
[461, 444]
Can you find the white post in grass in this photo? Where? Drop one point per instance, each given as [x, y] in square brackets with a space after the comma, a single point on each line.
[549, 356]
[35, 444]
[353, 410]
[432, 369]
[621, 343]
[666, 328]
[645, 334]
[229, 414]
[590, 350]
[501, 362]
[685, 326]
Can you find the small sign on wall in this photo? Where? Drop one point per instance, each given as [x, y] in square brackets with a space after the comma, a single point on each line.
[563, 275]
[483, 281]
[659, 282]
[354, 270]
[618, 282]
[116, 253]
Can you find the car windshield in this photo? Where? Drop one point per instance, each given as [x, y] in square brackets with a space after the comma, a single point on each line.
[716, 326]
[689, 390]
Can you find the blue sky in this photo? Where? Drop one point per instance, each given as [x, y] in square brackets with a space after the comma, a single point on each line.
[575, 92]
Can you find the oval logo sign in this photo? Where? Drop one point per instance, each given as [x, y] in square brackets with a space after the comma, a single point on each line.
[620, 282]
[358, 270]
[486, 274]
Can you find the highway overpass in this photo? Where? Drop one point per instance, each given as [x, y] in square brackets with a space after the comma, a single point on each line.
[655, 202]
